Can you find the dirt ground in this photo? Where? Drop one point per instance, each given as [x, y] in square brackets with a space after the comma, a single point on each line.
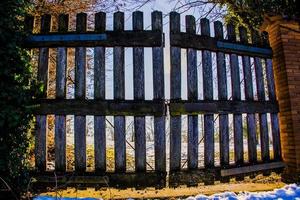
[256, 184]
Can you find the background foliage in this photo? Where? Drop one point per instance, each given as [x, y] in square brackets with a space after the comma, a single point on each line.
[249, 13]
[16, 96]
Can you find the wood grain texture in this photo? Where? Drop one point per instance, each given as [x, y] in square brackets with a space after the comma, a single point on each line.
[263, 123]
[101, 107]
[175, 122]
[158, 94]
[124, 38]
[236, 95]
[208, 95]
[200, 42]
[119, 94]
[180, 107]
[252, 168]
[41, 120]
[192, 95]
[139, 94]
[60, 120]
[251, 125]
[99, 94]
[80, 77]
[222, 95]
[274, 115]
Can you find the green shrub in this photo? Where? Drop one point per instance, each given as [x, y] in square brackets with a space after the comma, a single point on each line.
[17, 91]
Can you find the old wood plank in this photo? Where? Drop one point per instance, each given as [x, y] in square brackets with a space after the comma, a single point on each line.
[192, 95]
[80, 120]
[236, 96]
[158, 94]
[60, 120]
[208, 95]
[221, 107]
[274, 115]
[251, 127]
[263, 123]
[41, 120]
[29, 23]
[175, 122]
[202, 42]
[122, 38]
[119, 93]
[222, 95]
[252, 168]
[101, 107]
[139, 94]
[111, 179]
[99, 94]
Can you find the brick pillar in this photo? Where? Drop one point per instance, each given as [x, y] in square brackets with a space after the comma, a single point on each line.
[284, 36]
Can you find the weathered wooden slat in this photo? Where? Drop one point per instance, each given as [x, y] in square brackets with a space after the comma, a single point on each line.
[175, 122]
[41, 120]
[263, 123]
[208, 95]
[202, 42]
[41, 142]
[274, 115]
[101, 107]
[222, 95]
[236, 96]
[60, 120]
[29, 23]
[111, 179]
[119, 94]
[251, 128]
[122, 38]
[139, 94]
[252, 168]
[99, 94]
[192, 95]
[158, 94]
[80, 120]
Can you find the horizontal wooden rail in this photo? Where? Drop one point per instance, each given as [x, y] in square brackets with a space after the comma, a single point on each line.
[202, 42]
[97, 107]
[93, 39]
[112, 179]
[221, 107]
[252, 168]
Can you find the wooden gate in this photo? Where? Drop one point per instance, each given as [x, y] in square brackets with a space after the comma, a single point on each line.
[241, 56]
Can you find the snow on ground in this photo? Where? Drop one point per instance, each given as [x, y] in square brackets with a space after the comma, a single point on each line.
[288, 192]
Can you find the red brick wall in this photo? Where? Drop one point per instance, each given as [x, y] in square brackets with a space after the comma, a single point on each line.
[285, 41]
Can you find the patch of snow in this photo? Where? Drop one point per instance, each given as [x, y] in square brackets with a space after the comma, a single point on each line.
[288, 192]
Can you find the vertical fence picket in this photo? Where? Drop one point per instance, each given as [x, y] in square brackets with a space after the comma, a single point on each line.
[208, 95]
[251, 128]
[99, 94]
[192, 96]
[236, 96]
[119, 94]
[272, 97]
[60, 120]
[222, 95]
[29, 23]
[274, 116]
[175, 121]
[139, 94]
[158, 94]
[263, 122]
[41, 120]
[80, 76]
